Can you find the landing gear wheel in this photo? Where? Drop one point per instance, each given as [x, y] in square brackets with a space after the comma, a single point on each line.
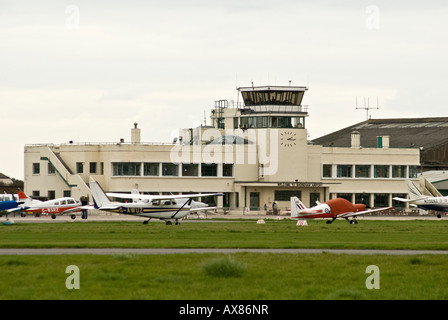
[73, 216]
[353, 221]
[168, 223]
[53, 216]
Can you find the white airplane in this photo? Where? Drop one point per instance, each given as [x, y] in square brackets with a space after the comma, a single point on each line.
[417, 199]
[165, 207]
[195, 206]
[334, 208]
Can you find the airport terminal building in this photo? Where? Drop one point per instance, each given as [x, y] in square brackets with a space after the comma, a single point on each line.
[255, 152]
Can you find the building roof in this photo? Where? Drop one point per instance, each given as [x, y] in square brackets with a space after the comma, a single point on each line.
[403, 133]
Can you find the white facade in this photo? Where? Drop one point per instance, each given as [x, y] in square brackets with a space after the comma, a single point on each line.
[255, 155]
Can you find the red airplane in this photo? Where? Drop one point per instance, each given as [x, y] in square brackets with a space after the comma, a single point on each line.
[334, 208]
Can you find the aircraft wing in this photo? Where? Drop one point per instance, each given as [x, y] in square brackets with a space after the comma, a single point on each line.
[160, 197]
[201, 209]
[353, 214]
[13, 210]
[76, 209]
[408, 200]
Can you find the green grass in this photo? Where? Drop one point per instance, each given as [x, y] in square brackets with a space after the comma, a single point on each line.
[251, 276]
[248, 234]
[240, 276]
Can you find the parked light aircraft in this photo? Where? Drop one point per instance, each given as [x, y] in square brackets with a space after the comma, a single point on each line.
[165, 207]
[417, 199]
[334, 208]
[54, 207]
[195, 206]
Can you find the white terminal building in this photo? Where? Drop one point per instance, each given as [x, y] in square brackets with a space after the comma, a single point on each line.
[255, 152]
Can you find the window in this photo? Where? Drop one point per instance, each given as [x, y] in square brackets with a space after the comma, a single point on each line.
[190, 170]
[92, 167]
[227, 170]
[412, 171]
[362, 171]
[51, 169]
[380, 200]
[150, 169]
[209, 170]
[346, 196]
[126, 169]
[36, 193]
[170, 169]
[381, 171]
[285, 195]
[67, 193]
[363, 198]
[326, 171]
[314, 196]
[344, 171]
[36, 168]
[51, 194]
[398, 171]
[79, 167]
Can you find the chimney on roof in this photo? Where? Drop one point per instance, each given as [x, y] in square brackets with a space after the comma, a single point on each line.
[356, 139]
[135, 134]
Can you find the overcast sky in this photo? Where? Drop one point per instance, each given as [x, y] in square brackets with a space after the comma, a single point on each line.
[87, 70]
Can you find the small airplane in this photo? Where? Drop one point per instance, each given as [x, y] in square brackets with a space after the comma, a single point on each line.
[334, 208]
[164, 207]
[195, 206]
[54, 207]
[417, 199]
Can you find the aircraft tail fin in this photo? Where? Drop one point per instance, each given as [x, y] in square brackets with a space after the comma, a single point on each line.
[296, 207]
[100, 198]
[22, 195]
[414, 193]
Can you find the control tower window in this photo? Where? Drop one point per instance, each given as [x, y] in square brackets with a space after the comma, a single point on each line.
[270, 97]
[272, 122]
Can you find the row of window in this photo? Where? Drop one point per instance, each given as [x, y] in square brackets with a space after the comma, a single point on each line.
[368, 171]
[152, 169]
[272, 122]
[93, 168]
[375, 200]
[167, 169]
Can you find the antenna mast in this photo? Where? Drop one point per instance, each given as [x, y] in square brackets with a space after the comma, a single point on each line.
[367, 106]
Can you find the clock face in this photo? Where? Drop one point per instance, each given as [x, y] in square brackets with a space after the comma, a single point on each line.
[288, 139]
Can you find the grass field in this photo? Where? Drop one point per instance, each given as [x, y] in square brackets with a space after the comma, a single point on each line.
[238, 276]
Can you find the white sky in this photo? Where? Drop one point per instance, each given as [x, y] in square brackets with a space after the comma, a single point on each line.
[87, 70]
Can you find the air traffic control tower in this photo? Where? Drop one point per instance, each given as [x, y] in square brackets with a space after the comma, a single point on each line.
[263, 107]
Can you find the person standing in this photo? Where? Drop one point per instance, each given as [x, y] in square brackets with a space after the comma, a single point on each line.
[84, 202]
